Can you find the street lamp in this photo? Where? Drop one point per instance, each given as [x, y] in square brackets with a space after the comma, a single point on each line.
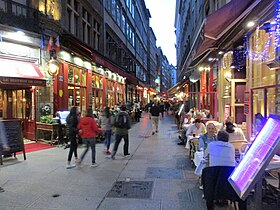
[53, 65]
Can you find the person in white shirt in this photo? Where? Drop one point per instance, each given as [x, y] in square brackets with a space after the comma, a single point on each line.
[221, 152]
[197, 129]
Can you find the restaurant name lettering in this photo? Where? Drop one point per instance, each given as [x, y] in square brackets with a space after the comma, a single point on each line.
[21, 81]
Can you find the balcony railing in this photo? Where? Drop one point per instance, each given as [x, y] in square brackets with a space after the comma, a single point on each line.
[18, 15]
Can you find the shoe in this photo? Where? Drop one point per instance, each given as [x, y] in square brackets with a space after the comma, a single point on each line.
[78, 162]
[201, 187]
[127, 155]
[153, 133]
[113, 157]
[181, 143]
[108, 152]
[69, 166]
[1, 190]
[156, 131]
[94, 165]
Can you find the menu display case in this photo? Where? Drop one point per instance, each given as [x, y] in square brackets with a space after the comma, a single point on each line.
[251, 168]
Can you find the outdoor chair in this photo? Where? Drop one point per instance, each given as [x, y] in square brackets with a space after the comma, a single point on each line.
[216, 187]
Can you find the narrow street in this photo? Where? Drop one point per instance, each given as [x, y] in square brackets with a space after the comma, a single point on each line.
[157, 176]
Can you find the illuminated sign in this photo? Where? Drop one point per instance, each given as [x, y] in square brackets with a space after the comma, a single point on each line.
[252, 166]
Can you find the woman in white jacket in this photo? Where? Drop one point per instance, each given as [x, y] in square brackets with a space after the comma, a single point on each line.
[106, 121]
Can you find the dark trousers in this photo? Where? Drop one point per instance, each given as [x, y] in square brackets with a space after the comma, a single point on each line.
[107, 141]
[73, 147]
[89, 142]
[117, 142]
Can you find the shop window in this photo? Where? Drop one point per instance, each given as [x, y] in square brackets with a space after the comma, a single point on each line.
[84, 78]
[100, 82]
[93, 81]
[71, 96]
[70, 74]
[77, 76]
[77, 96]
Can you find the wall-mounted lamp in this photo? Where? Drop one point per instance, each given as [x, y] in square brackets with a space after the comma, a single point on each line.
[53, 67]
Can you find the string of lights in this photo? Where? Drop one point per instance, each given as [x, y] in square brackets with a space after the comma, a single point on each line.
[264, 54]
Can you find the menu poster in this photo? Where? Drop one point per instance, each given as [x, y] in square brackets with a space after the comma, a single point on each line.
[13, 131]
[252, 166]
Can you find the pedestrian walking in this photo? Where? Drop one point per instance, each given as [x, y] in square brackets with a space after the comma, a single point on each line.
[106, 121]
[154, 116]
[88, 130]
[162, 108]
[72, 123]
[122, 123]
[3, 143]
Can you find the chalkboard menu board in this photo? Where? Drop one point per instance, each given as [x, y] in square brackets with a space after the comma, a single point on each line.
[13, 131]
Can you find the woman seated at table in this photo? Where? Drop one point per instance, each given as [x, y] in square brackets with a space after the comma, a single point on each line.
[220, 152]
[208, 137]
[235, 133]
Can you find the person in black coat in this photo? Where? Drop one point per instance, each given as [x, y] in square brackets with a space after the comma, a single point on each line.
[72, 124]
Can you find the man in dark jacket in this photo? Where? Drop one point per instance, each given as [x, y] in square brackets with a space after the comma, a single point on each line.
[122, 123]
[154, 115]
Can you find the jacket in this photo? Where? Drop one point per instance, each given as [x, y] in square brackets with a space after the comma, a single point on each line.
[105, 123]
[71, 123]
[123, 131]
[88, 128]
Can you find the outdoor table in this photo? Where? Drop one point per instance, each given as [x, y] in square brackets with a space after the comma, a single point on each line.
[189, 138]
[200, 162]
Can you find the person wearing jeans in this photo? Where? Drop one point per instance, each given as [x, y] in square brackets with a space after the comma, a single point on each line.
[105, 121]
[71, 123]
[89, 142]
[88, 130]
[122, 133]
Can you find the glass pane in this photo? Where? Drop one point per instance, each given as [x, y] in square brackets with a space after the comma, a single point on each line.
[84, 78]
[83, 95]
[271, 109]
[71, 74]
[71, 96]
[93, 81]
[77, 76]
[100, 82]
[77, 96]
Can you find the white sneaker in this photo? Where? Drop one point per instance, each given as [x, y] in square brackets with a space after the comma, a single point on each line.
[69, 166]
[94, 165]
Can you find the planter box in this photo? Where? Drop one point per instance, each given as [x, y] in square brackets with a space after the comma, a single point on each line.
[52, 129]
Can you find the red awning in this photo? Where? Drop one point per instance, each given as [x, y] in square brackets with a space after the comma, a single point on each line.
[222, 20]
[19, 73]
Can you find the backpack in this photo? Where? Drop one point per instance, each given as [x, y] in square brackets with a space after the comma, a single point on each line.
[121, 121]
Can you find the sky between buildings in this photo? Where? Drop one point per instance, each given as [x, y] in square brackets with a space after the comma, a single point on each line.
[162, 22]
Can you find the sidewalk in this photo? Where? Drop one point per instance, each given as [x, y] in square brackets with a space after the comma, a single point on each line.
[157, 176]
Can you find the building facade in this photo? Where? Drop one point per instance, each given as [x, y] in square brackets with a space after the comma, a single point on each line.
[243, 59]
[74, 53]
